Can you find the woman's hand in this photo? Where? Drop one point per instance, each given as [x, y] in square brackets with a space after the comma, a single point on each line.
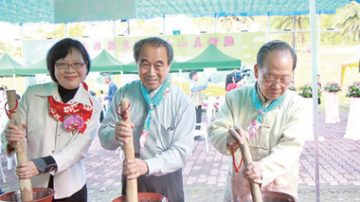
[26, 170]
[14, 134]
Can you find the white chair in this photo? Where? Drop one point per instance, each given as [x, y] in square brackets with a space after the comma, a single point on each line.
[1, 167]
[210, 111]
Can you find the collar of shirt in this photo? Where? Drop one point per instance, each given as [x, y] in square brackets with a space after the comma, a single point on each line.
[264, 101]
[81, 96]
[153, 92]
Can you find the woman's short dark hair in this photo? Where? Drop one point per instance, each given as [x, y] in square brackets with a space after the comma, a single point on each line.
[154, 41]
[60, 50]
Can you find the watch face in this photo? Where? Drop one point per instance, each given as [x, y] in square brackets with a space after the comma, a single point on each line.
[51, 167]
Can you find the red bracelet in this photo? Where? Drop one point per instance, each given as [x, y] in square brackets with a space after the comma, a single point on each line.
[236, 167]
[11, 111]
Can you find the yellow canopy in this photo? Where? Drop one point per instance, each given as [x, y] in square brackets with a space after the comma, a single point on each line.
[344, 67]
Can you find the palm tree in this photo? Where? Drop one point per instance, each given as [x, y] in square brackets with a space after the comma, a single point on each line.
[235, 23]
[296, 23]
[348, 19]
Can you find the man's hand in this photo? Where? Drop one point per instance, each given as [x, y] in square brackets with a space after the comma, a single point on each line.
[236, 135]
[135, 168]
[123, 131]
[253, 171]
[26, 170]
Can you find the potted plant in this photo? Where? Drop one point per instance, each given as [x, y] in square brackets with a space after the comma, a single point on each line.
[354, 90]
[332, 87]
[332, 114]
[353, 124]
[306, 91]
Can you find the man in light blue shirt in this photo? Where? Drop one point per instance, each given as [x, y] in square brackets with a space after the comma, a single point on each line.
[162, 123]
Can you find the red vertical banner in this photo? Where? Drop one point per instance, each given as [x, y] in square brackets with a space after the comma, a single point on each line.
[228, 41]
[111, 45]
[97, 45]
[197, 43]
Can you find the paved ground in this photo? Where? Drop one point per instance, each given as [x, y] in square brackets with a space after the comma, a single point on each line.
[204, 174]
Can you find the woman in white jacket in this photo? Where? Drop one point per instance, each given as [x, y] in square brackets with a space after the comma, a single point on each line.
[60, 120]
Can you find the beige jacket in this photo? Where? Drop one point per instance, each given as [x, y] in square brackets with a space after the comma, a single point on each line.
[283, 136]
[46, 136]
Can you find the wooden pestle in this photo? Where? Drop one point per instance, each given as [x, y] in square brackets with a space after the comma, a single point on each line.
[20, 147]
[131, 187]
[247, 158]
[254, 187]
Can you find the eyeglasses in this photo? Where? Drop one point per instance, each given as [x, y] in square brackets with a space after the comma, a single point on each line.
[272, 80]
[64, 65]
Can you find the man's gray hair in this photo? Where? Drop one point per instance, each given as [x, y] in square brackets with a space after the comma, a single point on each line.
[157, 42]
[275, 45]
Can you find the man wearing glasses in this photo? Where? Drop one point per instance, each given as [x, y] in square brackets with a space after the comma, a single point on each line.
[273, 119]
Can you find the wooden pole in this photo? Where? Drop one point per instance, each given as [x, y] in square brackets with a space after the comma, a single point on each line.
[20, 147]
[131, 185]
[247, 158]
[254, 187]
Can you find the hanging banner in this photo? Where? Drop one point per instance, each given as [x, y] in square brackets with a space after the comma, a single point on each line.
[243, 46]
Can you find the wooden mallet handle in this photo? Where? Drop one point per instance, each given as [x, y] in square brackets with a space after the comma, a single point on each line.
[20, 147]
[247, 158]
[131, 187]
[254, 187]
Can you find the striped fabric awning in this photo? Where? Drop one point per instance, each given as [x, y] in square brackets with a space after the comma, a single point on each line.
[63, 11]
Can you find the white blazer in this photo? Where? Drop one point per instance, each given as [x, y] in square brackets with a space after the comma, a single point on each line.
[46, 136]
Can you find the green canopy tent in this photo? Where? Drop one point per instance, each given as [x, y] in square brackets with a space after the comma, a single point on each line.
[8, 65]
[130, 68]
[38, 67]
[210, 57]
[105, 62]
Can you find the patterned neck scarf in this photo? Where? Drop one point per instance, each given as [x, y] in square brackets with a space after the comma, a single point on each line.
[152, 103]
[75, 116]
[262, 110]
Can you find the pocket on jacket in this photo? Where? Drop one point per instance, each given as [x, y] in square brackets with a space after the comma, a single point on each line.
[167, 135]
[34, 131]
[280, 184]
[259, 152]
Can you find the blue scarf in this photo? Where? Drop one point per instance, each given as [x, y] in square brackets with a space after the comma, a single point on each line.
[152, 103]
[259, 106]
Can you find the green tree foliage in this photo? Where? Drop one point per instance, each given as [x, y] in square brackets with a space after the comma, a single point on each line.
[57, 32]
[6, 47]
[235, 23]
[76, 30]
[348, 20]
[293, 23]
